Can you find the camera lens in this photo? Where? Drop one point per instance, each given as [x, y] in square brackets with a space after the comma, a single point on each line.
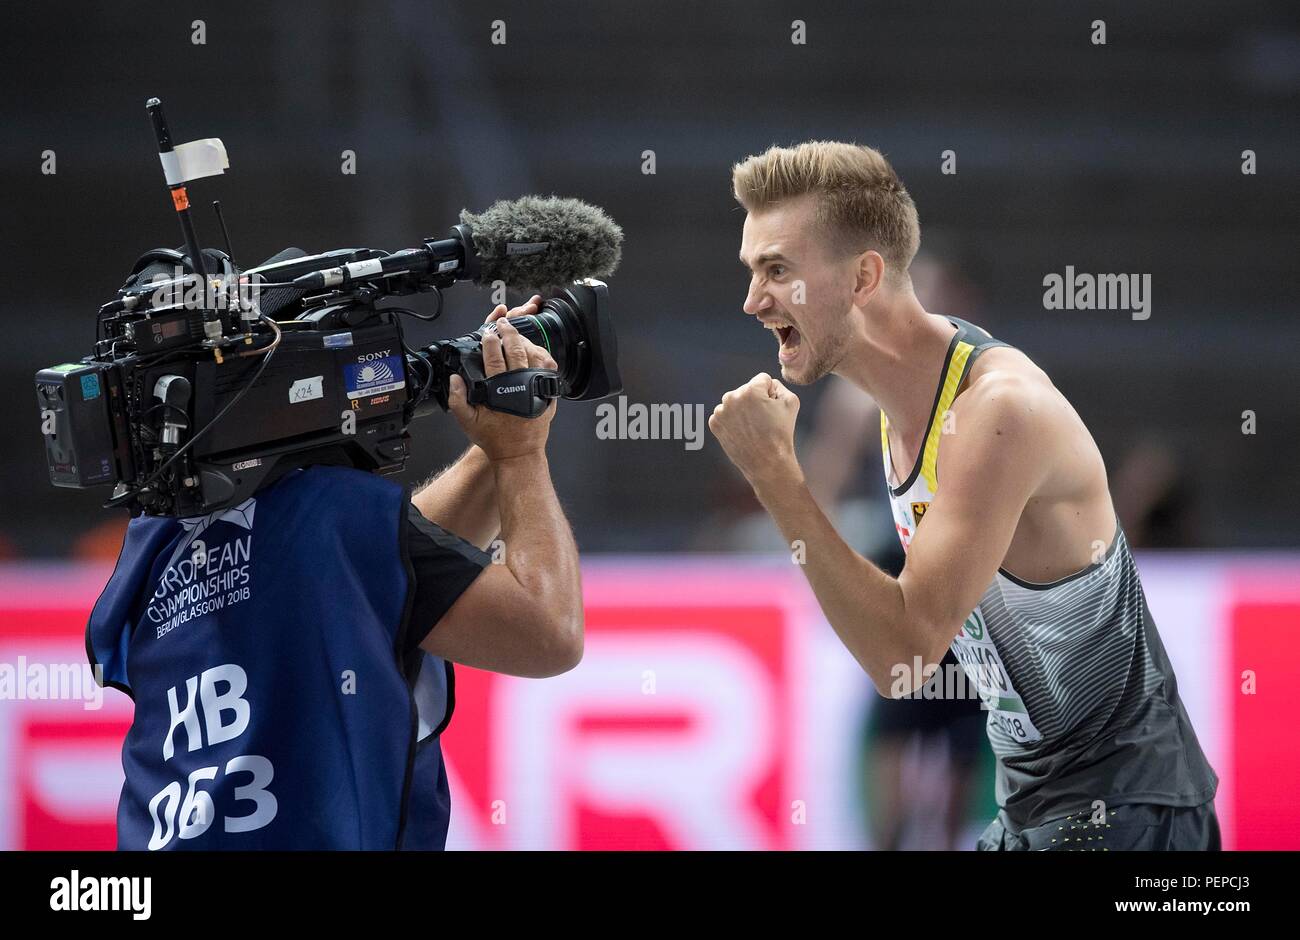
[557, 329]
[573, 326]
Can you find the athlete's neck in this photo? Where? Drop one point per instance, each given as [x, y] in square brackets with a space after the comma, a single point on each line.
[896, 360]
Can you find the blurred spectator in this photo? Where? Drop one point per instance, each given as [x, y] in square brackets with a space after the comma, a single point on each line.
[1154, 497]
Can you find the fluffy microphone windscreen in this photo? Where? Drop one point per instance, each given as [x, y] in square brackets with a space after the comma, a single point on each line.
[537, 242]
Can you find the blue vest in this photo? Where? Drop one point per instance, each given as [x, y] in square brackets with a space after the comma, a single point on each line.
[262, 645]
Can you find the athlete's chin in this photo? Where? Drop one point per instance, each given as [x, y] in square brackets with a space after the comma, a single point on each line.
[792, 376]
[798, 373]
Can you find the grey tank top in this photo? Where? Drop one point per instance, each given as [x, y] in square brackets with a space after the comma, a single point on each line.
[1082, 701]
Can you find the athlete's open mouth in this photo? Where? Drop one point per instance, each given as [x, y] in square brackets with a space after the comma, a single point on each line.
[788, 337]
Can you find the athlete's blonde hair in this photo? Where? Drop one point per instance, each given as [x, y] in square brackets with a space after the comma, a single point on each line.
[861, 201]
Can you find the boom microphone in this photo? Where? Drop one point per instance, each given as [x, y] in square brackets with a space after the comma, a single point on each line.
[542, 242]
[531, 243]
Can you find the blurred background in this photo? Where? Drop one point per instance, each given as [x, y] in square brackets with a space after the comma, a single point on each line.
[1124, 157]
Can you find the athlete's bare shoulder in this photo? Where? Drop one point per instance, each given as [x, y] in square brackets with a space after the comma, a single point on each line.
[1004, 377]
[1005, 362]
[1012, 430]
[1006, 381]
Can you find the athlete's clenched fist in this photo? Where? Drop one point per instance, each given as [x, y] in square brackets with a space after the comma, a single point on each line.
[755, 426]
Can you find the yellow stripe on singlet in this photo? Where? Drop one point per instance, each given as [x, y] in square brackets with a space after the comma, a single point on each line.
[951, 380]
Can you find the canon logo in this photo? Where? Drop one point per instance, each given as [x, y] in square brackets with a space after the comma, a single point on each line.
[372, 356]
[507, 389]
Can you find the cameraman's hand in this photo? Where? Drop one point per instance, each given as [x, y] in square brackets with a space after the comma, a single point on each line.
[527, 310]
[503, 436]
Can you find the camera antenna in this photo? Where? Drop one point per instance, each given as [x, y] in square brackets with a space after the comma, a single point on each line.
[248, 313]
[225, 232]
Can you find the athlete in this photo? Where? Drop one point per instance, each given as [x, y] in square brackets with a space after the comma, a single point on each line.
[1017, 561]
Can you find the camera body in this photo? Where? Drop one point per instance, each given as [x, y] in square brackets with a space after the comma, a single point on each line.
[183, 424]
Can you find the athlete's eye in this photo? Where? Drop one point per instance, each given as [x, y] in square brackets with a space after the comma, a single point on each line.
[776, 270]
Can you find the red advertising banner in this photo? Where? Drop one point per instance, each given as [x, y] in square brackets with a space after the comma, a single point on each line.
[714, 708]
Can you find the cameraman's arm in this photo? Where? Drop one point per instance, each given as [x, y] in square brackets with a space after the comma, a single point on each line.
[463, 499]
[522, 617]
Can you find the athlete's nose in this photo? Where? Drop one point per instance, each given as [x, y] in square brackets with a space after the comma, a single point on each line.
[757, 300]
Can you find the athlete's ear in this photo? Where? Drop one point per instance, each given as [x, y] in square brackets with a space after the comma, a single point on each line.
[868, 277]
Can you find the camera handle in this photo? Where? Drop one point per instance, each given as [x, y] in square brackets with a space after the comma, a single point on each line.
[522, 392]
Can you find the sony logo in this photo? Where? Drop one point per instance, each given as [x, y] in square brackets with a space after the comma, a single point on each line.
[372, 356]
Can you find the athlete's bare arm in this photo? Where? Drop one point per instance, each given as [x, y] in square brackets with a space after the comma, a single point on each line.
[1011, 430]
[999, 456]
